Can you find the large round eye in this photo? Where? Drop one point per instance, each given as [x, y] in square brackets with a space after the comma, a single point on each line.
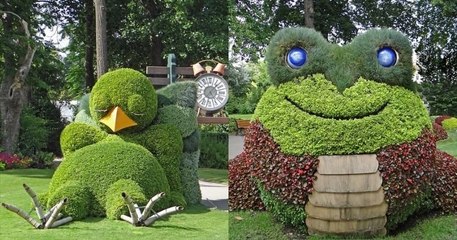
[296, 57]
[387, 57]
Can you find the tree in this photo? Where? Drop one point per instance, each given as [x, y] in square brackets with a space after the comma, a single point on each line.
[253, 23]
[14, 88]
[100, 36]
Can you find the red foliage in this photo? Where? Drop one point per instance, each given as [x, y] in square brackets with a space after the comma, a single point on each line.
[444, 185]
[9, 159]
[440, 132]
[243, 192]
[406, 170]
[287, 177]
[439, 120]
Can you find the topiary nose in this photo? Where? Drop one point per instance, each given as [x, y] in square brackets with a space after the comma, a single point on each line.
[341, 77]
[117, 120]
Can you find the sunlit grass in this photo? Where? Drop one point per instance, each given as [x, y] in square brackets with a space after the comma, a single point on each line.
[196, 222]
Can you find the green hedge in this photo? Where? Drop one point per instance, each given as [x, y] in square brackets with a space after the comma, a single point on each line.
[288, 214]
[78, 135]
[84, 117]
[165, 143]
[192, 142]
[115, 205]
[129, 89]
[79, 199]
[318, 120]
[100, 165]
[450, 124]
[183, 94]
[214, 150]
[189, 177]
[184, 118]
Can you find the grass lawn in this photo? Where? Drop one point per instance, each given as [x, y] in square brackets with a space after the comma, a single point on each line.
[241, 116]
[449, 145]
[196, 222]
[213, 175]
[261, 225]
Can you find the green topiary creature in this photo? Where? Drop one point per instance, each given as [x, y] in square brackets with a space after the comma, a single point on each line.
[117, 147]
[341, 139]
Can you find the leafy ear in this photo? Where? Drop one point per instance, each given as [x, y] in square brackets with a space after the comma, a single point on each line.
[283, 41]
[366, 48]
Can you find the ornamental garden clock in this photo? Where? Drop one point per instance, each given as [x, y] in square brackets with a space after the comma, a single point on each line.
[212, 92]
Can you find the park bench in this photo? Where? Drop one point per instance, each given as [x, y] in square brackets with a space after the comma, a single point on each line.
[242, 124]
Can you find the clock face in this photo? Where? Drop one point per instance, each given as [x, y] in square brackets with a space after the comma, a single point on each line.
[212, 92]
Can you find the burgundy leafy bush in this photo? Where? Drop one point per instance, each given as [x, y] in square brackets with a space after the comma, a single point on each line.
[440, 132]
[444, 183]
[287, 177]
[243, 191]
[439, 120]
[406, 170]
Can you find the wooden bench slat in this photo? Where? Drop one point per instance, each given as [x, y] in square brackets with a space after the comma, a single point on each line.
[241, 123]
[156, 70]
[185, 71]
[215, 120]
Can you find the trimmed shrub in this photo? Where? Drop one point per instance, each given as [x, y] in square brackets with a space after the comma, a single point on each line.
[129, 89]
[99, 165]
[439, 131]
[243, 191]
[407, 171]
[439, 120]
[289, 177]
[312, 117]
[288, 214]
[84, 104]
[185, 119]
[214, 150]
[192, 142]
[450, 124]
[189, 177]
[445, 182]
[84, 117]
[79, 199]
[165, 143]
[78, 135]
[183, 94]
[115, 205]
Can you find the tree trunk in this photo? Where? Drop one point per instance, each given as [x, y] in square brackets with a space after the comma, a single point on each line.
[13, 89]
[309, 14]
[100, 35]
[90, 39]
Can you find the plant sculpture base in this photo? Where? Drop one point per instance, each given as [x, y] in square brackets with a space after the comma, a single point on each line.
[138, 218]
[50, 219]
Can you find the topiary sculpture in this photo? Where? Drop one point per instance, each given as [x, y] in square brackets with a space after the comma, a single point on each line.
[341, 144]
[120, 151]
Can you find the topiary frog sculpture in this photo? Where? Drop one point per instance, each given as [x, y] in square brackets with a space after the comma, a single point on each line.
[341, 143]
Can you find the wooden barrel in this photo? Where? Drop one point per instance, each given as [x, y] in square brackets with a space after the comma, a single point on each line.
[348, 198]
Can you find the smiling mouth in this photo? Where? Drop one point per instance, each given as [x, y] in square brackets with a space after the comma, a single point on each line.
[360, 116]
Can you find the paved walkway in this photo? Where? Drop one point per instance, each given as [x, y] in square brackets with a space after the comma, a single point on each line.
[235, 146]
[214, 195]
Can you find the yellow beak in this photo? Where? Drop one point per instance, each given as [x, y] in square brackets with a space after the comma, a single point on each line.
[117, 120]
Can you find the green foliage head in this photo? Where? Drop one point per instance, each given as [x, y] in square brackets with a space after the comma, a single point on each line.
[342, 65]
[310, 116]
[129, 89]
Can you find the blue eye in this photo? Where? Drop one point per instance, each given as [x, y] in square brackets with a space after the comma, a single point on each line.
[296, 57]
[387, 57]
